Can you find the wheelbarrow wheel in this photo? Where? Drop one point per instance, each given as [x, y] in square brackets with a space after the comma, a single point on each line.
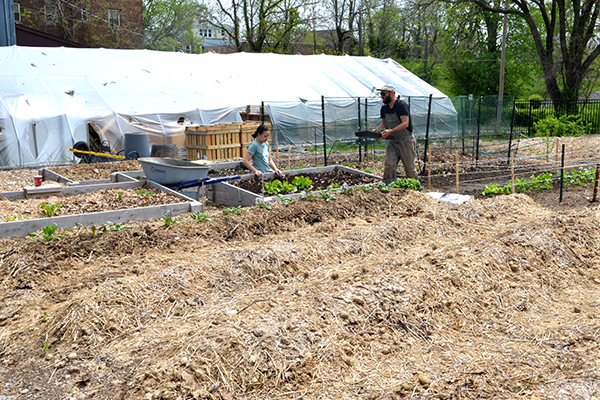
[82, 146]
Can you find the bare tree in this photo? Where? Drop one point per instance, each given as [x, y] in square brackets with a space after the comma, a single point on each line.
[558, 26]
[259, 24]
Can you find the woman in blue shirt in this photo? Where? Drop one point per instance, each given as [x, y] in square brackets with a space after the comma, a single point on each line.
[258, 158]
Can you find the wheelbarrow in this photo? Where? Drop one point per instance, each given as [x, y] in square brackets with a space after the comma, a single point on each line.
[201, 182]
[99, 152]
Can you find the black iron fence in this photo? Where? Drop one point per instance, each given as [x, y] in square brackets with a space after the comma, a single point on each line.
[528, 112]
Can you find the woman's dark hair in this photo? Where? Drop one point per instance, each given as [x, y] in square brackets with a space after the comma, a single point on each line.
[261, 128]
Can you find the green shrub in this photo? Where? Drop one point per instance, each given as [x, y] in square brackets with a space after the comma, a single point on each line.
[536, 101]
[565, 125]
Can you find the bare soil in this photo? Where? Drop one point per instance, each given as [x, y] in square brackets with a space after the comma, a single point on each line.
[369, 296]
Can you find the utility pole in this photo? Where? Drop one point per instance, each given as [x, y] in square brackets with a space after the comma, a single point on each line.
[502, 58]
[8, 36]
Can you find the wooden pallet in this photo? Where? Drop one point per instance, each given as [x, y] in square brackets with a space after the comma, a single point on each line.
[214, 136]
[219, 142]
[213, 153]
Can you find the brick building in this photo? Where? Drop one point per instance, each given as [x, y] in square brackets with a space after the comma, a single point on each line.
[94, 23]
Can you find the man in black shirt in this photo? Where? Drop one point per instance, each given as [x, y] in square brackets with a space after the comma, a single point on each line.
[396, 127]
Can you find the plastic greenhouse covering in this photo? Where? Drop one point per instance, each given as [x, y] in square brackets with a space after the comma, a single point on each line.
[51, 98]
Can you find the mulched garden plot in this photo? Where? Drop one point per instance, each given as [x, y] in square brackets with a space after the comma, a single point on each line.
[99, 201]
[320, 180]
[96, 171]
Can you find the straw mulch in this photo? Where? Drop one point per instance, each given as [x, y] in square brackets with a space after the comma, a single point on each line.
[369, 296]
[98, 201]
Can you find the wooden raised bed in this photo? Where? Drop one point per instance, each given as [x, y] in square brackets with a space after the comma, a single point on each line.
[118, 181]
[230, 195]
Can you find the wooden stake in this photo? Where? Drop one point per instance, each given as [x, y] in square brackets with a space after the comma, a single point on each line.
[429, 170]
[289, 156]
[456, 171]
[512, 172]
[277, 152]
[556, 159]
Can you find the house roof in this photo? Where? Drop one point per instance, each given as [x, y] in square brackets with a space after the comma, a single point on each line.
[32, 37]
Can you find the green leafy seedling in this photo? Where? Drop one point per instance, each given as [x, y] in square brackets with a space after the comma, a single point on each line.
[306, 195]
[287, 187]
[112, 227]
[94, 231]
[46, 347]
[541, 182]
[169, 219]
[407, 183]
[16, 218]
[492, 188]
[273, 187]
[580, 177]
[521, 185]
[286, 200]
[48, 233]
[234, 210]
[143, 192]
[50, 209]
[302, 182]
[200, 216]
[327, 196]
[266, 206]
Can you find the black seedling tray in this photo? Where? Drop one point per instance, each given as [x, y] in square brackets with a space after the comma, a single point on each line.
[368, 134]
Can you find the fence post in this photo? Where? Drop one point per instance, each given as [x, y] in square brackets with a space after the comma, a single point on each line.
[366, 127]
[512, 125]
[324, 138]
[477, 137]
[464, 117]
[596, 183]
[427, 134]
[262, 112]
[360, 128]
[359, 122]
[562, 172]
[530, 118]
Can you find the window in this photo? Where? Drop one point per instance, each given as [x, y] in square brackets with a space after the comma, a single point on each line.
[114, 17]
[206, 32]
[85, 15]
[17, 8]
[50, 13]
[222, 32]
[209, 33]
